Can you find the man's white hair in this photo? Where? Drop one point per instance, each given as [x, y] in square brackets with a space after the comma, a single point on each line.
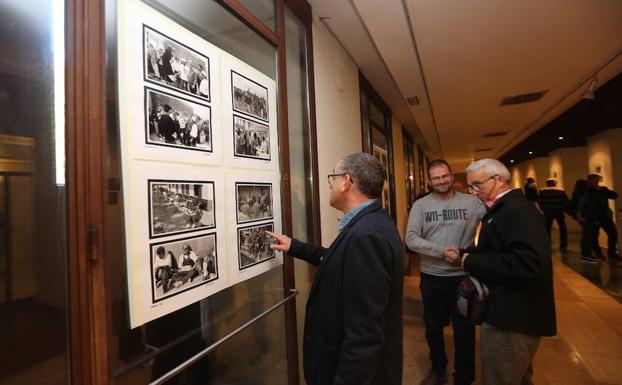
[491, 166]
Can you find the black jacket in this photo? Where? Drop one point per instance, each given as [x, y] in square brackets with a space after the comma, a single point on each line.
[594, 206]
[513, 258]
[553, 200]
[353, 324]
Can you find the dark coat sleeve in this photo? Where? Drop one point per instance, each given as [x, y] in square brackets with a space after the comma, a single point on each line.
[365, 296]
[520, 257]
[307, 252]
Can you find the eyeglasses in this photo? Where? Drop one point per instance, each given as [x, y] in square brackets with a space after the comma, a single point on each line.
[476, 186]
[331, 177]
[437, 179]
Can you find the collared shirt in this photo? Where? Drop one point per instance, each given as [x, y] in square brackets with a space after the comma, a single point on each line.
[343, 222]
[492, 200]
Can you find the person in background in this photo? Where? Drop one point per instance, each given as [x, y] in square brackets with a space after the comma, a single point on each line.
[443, 218]
[353, 322]
[531, 190]
[553, 202]
[593, 212]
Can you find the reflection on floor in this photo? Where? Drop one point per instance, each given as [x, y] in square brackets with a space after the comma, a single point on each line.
[587, 349]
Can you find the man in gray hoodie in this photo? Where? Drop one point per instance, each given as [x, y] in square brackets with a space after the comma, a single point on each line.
[438, 222]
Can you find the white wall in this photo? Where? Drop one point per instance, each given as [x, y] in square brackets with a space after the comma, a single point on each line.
[337, 113]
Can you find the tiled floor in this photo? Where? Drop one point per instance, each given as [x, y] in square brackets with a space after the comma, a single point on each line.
[587, 349]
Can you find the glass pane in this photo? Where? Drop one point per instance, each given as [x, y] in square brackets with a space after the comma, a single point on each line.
[33, 255]
[263, 9]
[143, 354]
[215, 24]
[381, 152]
[300, 158]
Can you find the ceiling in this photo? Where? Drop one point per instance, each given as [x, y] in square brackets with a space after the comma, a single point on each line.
[461, 58]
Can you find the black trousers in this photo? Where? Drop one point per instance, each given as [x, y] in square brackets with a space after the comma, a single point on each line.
[589, 236]
[439, 308]
[549, 217]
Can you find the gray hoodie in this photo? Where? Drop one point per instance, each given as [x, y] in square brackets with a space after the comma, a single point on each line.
[436, 223]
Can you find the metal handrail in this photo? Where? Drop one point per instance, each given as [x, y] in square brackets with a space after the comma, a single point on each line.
[179, 368]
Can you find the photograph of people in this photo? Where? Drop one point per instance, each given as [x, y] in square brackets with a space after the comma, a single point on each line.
[176, 122]
[181, 207]
[254, 201]
[254, 245]
[174, 65]
[180, 265]
[249, 97]
[252, 140]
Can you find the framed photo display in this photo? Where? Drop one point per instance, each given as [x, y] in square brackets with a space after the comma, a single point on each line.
[249, 97]
[174, 121]
[253, 202]
[198, 168]
[251, 139]
[174, 65]
[182, 265]
[178, 207]
[254, 245]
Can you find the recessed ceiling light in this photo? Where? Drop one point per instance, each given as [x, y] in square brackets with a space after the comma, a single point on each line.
[530, 152]
[511, 160]
[413, 100]
[560, 138]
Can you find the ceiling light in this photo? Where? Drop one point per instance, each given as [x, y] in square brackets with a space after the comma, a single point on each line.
[413, 100]
[560, 138]
[589, 93]
[511, 160]
[530, 152]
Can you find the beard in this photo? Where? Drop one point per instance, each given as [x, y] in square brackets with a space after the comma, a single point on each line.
[442, 189]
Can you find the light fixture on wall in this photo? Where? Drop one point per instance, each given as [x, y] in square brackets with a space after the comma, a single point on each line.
[589, 93]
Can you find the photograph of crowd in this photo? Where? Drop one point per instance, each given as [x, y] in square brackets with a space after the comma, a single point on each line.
[174, 65]
[249, 97]
[254, 201]
[183, 264]
[254, 245]
[252, 140]
[176, 122]
[177, 208]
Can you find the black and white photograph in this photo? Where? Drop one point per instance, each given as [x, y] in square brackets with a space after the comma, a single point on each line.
[176, 122]
[254, 245]
[253, 202]
[251, 139]
[249, 97]
[174, 65]
[177, 208]
[177, 266]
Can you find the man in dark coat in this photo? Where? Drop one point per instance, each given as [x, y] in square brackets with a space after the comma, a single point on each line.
[553, 202]
[353, 323]
[513, 258]
[593, 212]
[531, 190]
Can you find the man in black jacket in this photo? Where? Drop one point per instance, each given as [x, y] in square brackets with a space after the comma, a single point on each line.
[593, 212]
[513, 258]
[553, 202]
[353, 323]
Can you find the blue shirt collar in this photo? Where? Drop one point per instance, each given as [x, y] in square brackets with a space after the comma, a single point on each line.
[343, 222]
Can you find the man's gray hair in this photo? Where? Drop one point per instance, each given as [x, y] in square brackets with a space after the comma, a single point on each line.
[366, 172]
[492, 167]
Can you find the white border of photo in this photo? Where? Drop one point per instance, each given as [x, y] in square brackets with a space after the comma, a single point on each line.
[235, 274]
[132, 16]
[138, 243]
[227, 64]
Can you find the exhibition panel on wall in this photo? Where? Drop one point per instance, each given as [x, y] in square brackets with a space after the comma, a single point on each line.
[200, 164]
